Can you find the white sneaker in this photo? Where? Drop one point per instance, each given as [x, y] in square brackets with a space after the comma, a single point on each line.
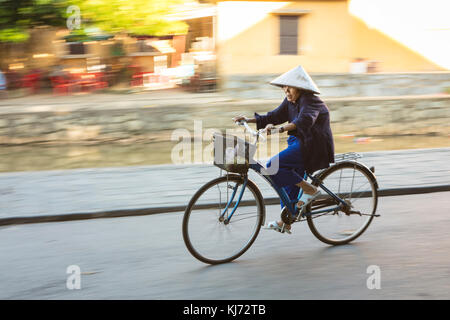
[307, 199]
[274, 226]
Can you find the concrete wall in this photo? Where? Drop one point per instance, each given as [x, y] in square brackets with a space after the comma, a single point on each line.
[376, 117]
[344, 85]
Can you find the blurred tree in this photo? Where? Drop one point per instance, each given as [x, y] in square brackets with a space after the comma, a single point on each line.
[136, 17]
[18, 16]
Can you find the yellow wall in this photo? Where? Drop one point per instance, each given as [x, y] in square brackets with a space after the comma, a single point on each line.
[329, 39]
[393, 56]
[402, 35]
[248, 37]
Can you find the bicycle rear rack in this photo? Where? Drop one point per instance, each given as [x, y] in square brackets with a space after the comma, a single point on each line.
[350, 156]
[346, 156]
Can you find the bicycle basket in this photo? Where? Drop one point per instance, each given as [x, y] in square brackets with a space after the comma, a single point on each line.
[232, 154]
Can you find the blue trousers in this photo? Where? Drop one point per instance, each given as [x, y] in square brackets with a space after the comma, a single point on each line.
[291, 168]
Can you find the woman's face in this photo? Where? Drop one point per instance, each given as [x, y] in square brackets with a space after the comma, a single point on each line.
[292, 94]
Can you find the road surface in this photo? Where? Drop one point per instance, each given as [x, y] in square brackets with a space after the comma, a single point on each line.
[145, 258]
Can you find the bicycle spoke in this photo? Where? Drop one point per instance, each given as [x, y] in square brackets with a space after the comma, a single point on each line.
[360, 194]
[315, 216]
[235, 220]
[353, 179]
[351, 183]
[209, 230]
[212, 241]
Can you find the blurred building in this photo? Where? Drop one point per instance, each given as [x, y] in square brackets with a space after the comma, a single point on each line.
[52, 52]
[324, 36]
[233, 40]
[266, 38]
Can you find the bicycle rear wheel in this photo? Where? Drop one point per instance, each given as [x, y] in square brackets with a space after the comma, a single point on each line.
[357, 186]
[208, 235]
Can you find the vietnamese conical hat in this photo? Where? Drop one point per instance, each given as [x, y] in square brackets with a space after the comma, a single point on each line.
[297, 78]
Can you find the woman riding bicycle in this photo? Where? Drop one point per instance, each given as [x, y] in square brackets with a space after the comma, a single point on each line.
[310, 141]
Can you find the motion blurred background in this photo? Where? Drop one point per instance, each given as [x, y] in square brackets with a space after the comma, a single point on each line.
[98, 98]
[98, 83]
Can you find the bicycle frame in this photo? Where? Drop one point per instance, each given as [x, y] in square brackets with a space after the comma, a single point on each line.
[289, 204]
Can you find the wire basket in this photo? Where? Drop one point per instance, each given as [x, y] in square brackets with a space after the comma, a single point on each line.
[233, 154]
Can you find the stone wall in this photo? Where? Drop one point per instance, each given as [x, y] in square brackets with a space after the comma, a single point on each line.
[345, 85]
[378, 117]
[369, 116]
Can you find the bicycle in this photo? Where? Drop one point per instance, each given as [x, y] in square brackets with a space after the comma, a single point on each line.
[337, 217]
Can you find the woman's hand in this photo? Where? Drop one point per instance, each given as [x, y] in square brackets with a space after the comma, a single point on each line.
[270, 128]
[244, 118]
[240, 118]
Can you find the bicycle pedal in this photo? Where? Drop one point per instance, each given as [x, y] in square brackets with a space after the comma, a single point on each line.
[285, 230]
[286, 216]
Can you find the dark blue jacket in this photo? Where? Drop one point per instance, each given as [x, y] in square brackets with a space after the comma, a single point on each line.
[312, 119]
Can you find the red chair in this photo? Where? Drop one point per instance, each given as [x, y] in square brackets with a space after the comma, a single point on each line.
[100, 82]
[61, 85]
[88, 82]
[137, 79]
[31, 81]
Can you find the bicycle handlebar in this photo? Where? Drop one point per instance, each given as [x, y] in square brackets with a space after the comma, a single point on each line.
[254, 133]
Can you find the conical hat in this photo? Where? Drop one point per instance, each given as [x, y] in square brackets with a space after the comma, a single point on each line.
[297, 78]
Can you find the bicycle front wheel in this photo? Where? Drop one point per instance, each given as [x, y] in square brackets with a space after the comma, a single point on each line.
[356, 185]
[209, 233]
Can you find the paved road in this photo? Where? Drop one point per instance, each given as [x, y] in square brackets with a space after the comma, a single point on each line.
[145, 258]
[25, 194]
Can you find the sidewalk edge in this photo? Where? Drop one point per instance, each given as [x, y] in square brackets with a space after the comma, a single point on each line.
[158, 210]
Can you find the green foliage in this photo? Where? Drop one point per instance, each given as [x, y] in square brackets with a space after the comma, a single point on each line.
[13, 35]
[77, 35]
[18, 16]
[138, 17]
